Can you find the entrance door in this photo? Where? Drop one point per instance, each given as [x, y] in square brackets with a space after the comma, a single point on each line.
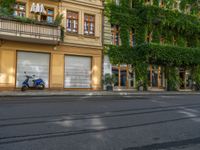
[121, 73]
[182, 79]
[33, 64]
[185, 79]
[78, 72]
[155, 76]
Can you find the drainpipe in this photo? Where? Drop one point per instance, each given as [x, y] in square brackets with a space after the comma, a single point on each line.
[102, 34]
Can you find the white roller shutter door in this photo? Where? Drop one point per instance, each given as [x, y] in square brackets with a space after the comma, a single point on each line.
[77, 72]
[33, 64]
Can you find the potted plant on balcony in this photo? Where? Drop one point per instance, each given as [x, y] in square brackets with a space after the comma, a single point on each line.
[59, 19]
[109, 81]
[6, 7]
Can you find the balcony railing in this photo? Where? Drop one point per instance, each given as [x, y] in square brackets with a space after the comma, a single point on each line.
[15, 30]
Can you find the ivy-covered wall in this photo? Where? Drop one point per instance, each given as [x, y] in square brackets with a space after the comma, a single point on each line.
[169, 24]
[180, 33]
[6, 7]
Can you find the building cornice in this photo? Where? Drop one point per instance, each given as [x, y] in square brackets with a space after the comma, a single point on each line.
[81, 45]
[87, 4]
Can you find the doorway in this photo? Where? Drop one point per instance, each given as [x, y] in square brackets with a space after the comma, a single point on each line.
[155, 76]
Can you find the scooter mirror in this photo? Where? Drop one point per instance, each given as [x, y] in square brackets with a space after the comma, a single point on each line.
[24, 72]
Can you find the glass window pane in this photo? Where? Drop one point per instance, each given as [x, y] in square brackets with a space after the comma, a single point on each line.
[49, 19]
[50, 12]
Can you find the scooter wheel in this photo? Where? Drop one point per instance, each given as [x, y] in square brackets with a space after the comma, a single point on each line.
[41, 87]
[23, 88]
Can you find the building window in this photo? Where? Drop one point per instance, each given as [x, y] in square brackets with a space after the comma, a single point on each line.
[131, 4]
[161, 3]
[174, 40]
[187, 9]
[132, 38]
[20, 9]
[117, 2]
[115, 35]
[148, 2]
[72, 22]
[149, 37]
[49, 16]
[162, 40]
[89, 24]
[176, 5]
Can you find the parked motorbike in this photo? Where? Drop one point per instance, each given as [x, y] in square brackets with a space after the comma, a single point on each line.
[37, 83]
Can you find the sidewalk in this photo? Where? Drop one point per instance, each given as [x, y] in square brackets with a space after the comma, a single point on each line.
[91, 93]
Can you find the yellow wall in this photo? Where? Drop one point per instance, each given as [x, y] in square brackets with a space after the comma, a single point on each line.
[79, 44]
[57, 71]
[83, 8]
[7, 68]
[96, 72]
[8, 61]
[47, 3]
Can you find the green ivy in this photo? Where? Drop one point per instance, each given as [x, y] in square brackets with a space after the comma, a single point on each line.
[196, 74]
[161, 22]
[153, 17]
[6, 7]
[169, 55]
[173, 79]
[165, 55]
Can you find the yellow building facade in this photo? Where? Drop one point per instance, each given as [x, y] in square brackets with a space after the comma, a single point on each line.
[74, 63]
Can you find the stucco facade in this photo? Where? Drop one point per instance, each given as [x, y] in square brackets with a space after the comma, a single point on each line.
[80, 45]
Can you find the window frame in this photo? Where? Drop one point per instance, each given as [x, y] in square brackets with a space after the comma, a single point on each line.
[19, 10]
[176, 5]
[114, 32]
[117, 2]
[174, 40]
[149, 36]
[162, 40]
[161, 3]
[48, 15]
[88, 23]
[132, 38]
[188, 9]
[148, 2]
[77, 19]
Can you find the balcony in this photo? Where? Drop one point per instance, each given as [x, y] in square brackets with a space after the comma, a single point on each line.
[15, 30]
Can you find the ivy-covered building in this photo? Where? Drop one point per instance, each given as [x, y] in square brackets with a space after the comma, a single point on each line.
[155, 43]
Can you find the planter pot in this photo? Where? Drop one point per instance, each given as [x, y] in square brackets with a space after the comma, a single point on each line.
[196, 87]
[169, 88]
[109, 88]
[140, 88]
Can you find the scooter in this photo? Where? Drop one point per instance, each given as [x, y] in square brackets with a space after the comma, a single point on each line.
[37, 83]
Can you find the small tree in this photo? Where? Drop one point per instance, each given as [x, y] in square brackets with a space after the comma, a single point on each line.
[110, 79]
[196, 76]
[6, 7]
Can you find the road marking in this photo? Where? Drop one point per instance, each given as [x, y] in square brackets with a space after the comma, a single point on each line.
[190, 113]
[160, 102]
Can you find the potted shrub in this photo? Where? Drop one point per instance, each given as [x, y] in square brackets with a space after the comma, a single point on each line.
[140, 86]
[109, 81]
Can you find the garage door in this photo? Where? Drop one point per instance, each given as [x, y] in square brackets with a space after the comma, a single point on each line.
[33, 64]
[77, 72]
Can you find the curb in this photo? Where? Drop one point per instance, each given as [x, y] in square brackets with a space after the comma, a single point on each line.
[103, 93]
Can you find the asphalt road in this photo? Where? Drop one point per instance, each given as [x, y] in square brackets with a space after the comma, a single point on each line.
[100, 123]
